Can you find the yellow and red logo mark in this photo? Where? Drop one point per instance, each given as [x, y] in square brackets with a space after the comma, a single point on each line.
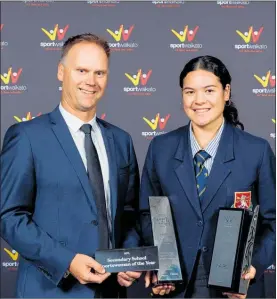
[157, 125]
[28, 117]
[1, 26]
[273, 120]
[11, 75]
[158, 121]
[12, 263]
[251, 34]
[268, 82]
[267, 79]
[139, 78]
[187, 33]
[56, 32]
[12, 254]
[121, 33]
[103, 116]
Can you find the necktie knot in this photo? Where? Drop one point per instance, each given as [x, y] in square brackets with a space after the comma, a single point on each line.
[201, 157]
[86, 128]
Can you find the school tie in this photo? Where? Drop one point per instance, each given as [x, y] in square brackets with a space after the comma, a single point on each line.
[201, 172]
[97, 185]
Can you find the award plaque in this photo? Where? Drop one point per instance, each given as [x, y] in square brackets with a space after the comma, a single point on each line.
[233, 247]
[165, 240]
[128, 259]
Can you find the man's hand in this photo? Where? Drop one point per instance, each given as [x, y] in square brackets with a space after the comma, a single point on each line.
[80, 267]
[248, 276]
[159, 290]
[125, 279]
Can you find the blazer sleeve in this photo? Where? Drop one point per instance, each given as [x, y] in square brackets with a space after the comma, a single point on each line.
[18, 195]
[150, 186]
[264, 248]
[130, 219]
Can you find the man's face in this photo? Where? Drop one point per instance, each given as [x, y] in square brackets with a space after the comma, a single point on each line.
[84, 73]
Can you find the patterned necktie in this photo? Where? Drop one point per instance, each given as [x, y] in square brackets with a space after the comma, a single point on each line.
[97, 184]
[201, 172]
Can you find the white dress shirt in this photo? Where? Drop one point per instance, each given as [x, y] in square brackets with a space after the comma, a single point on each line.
[74, 124]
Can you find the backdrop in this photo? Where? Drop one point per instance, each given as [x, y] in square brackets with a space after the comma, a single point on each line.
[150, 41]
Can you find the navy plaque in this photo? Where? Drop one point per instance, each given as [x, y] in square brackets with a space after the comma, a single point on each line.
[130, 259]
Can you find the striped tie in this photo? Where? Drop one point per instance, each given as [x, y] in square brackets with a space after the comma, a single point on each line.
[201, 172]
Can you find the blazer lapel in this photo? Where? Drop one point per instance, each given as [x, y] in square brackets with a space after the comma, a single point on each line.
[220, 169]
[110, 149]
[66, 141]
[185, 170]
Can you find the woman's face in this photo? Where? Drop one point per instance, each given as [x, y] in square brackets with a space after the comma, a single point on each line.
[204, 98]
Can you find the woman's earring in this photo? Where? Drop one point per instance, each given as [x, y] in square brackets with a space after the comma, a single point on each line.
[228, 103]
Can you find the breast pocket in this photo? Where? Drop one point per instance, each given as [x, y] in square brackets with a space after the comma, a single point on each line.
[241, 197]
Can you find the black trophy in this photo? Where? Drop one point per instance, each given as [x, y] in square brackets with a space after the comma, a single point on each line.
[233, 247]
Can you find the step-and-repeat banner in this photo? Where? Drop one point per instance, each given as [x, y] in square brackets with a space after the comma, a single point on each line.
[150, 41]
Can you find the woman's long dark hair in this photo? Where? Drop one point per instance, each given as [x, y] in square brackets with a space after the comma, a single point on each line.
[215, 66]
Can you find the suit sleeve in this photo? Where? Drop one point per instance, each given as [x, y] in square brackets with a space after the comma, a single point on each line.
[130, 220]
[150, 186]
[18, 195]
[264, 249]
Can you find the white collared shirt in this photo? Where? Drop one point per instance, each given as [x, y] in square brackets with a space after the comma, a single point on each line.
[74, 124]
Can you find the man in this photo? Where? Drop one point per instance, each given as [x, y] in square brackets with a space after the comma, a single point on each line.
[69, 185]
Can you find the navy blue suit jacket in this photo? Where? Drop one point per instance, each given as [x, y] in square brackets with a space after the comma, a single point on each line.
[243, 163]
[48, 213]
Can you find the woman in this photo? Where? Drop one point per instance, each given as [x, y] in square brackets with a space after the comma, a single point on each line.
[200, 167]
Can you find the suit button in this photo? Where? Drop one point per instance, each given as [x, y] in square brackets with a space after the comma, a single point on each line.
[94, 222]
[204, 249]
[200, 223]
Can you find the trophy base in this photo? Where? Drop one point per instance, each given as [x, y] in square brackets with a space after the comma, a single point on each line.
[167, 282]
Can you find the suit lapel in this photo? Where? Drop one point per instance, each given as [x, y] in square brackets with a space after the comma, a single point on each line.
[185, 170]
[220, 169]
[110, 149]
[66, 141]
